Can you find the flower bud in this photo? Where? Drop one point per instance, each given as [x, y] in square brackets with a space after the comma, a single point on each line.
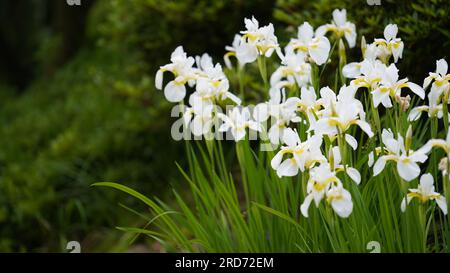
[363, 46]
[404, 103]
[331, 156]
[443, 165]
[408, 140]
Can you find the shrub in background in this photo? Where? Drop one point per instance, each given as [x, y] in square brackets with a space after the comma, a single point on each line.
[94, 120]
[423, 25]
[157, 27]
[98, 118]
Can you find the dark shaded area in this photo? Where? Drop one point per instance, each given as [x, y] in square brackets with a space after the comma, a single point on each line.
[156, 27]
[79, 107]
[37, 37]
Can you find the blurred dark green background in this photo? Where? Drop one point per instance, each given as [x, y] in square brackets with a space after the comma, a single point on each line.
[77, 102]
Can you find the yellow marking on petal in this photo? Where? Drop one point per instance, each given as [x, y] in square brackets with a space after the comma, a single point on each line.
[319, 186]
[378, 150]
[331, 179]
[250, 37]
[334, 197]
[301, 48]
[311, 163]
[439, 83]
[381, 43]
[230, 53]
[384, 89]
[440, 144]
[414, 195]
[406, 160]
[333, 122]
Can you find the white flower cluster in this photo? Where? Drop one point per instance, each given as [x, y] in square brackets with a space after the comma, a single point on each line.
[376, 74]
[325, 115]
[438, 93]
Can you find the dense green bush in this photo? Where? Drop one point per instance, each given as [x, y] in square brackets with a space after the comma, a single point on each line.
[37, 37]
[423, 25]
[94, 121]
[100, 119]
[157, 27]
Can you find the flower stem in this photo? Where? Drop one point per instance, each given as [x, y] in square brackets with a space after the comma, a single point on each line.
[433, 160]
[240, 74]
[315, 78]
[446, 186]
[263, 71]
[423, 225]
[241, 159]
[342, 147]
[329, 57]
[445, 116]
[376, 118]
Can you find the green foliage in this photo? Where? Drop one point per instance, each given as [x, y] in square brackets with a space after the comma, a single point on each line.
[157, 27]
[423, 26]
[37, 37]
[99, 117]
[96, 119]
[257, 211]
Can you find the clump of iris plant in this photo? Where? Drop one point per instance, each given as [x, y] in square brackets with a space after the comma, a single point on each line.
[347, 146]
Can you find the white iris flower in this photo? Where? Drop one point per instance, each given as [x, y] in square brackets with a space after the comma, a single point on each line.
[256, 41]
[390, 86]
[341, 27]
[282, 110]
[424, 193]
[340, 113]
[440, 80]
[303, 154]
[318, 48]
[294, 69]
[323, 182]
[407, 160]
[390, 45]
[237, 121]
[181, 68]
